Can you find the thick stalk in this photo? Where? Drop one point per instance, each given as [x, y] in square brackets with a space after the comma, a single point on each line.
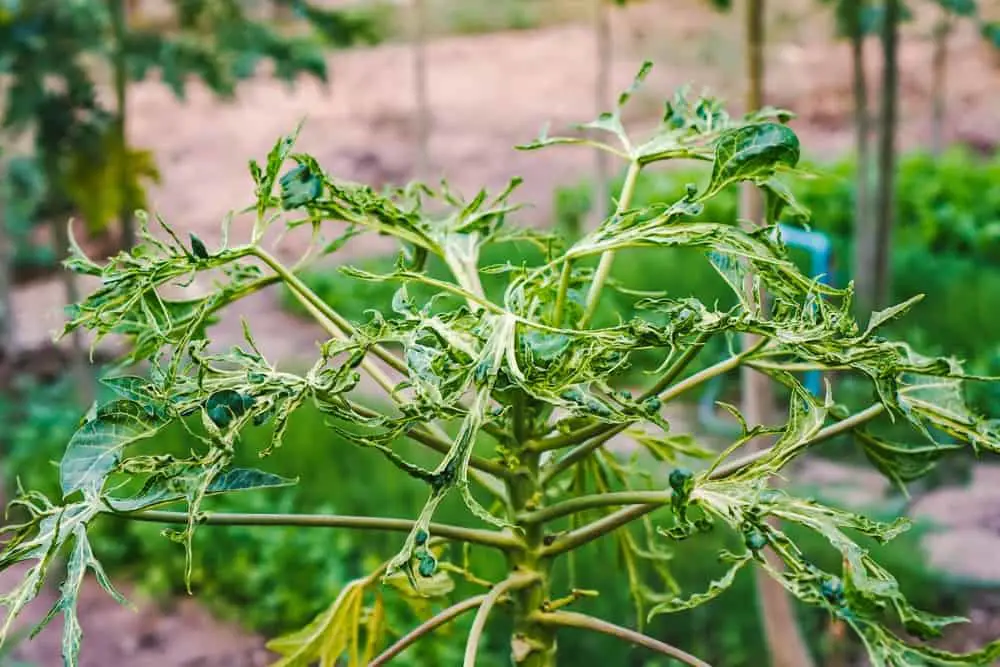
[532, 644]
[884, 201]
[608, 256]
[786, 645]
[117, 10]
[865, 255]
[939, 67]
[602, 97]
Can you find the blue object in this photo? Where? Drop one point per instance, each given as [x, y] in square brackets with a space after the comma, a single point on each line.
[820, 251]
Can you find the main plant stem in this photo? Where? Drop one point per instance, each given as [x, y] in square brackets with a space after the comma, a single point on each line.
[533, 644]
[608, 256]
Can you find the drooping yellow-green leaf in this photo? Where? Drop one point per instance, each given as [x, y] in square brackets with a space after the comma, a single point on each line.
[333, 635]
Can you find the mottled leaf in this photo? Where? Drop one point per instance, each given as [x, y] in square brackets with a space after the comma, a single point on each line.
[97, 446]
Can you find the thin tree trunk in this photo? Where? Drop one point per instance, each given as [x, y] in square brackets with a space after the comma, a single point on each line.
[119, 20]
[602, 97]
[865, 257]
[420, 90]
[885, 200]
[6, 283]
[786, 645]
[939, 66]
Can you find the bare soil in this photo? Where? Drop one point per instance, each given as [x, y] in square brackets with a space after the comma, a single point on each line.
[489, 93]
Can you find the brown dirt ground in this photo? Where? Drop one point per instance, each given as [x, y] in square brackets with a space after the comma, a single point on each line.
[488, 93]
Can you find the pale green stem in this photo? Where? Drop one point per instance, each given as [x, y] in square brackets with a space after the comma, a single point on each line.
[582, 503]
[561, 295]
[479, 624]
[592, 531]
[571, 619]
[581, 452]
[608, 257]
[428, 626]
[454, 533]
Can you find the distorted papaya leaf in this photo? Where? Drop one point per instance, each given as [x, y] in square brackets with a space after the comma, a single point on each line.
[716, 588]
[225, 405]
[299, 187]
[97, 446]
[751, 153]
[670, 447]
[267, 176]
[439, 584]
[902, 462]
[198, 248]
[882, 317]
[42, 538]
[163, 491]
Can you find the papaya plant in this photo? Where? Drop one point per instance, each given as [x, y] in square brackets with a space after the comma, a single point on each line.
[517, 394]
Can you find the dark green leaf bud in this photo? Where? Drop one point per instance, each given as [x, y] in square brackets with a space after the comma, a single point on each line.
[427, 565]
[198, 248]
[679, 479]
[755, 540]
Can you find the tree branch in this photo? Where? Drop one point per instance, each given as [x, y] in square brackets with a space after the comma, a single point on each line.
[581, 503]
[455, 533]
[427, 627]
[569, 619]
[479, 624]
[583, 534]
[581, 452]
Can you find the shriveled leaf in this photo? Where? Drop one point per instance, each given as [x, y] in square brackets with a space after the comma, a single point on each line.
[899, 462]
[715, 589]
